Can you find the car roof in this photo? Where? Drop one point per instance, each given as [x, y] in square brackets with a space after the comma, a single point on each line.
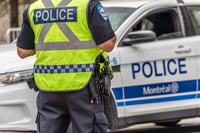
[138, 3]
[125, 3]
[191, 2]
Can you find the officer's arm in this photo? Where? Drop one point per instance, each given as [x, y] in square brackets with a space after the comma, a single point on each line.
[108, 45]
[25, 40]
[23, 53]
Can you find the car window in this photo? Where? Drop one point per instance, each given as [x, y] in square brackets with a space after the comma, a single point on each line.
[118, 15]
[195, 15]
[164, 24]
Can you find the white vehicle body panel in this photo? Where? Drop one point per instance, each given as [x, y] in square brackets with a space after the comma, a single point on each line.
[157, 59]
[17, 109]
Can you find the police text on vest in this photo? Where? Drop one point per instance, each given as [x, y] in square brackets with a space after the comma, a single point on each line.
[53, 15]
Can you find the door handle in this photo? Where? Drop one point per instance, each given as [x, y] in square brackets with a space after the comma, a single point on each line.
[183, 49]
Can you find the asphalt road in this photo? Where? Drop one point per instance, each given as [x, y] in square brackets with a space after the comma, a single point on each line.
[185, 126]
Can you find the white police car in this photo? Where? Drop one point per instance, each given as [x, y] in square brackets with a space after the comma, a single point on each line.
[156, 62]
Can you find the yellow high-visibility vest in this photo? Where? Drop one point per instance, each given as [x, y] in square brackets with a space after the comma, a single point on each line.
[65, 49]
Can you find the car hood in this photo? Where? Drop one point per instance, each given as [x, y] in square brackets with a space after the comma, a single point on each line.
[10, 62]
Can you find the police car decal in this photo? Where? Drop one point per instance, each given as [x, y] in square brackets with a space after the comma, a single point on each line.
[101, 12]
[198, 89]
[51, 15]
[168, 67]
[155, 93]
[114, 61]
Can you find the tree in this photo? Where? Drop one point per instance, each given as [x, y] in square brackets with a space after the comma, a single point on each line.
[14, 13]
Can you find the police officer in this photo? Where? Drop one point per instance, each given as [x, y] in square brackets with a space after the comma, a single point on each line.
[66, 36]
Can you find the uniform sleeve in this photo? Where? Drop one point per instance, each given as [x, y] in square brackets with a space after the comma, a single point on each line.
[99, 22]
[26, 37]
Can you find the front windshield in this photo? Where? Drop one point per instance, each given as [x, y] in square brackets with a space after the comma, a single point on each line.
[118, 15]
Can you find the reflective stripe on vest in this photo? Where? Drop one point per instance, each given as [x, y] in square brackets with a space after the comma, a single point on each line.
[62, 65]
[63, 68]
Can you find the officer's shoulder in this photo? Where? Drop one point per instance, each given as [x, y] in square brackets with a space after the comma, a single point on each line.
[94, 1]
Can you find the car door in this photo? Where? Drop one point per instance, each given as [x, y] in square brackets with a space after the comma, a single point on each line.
[193, 23]
[158, 76]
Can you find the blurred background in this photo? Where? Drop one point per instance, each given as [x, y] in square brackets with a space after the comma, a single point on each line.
[11, 12]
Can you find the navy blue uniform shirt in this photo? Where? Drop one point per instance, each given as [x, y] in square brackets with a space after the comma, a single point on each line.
[97, 20]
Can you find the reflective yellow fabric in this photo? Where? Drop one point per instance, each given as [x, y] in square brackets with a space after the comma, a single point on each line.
[82, 33]
[63, 81]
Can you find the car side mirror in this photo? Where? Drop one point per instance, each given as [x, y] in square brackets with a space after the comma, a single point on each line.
[139, 37]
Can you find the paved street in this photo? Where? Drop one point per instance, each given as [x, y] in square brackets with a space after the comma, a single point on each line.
[185, 126]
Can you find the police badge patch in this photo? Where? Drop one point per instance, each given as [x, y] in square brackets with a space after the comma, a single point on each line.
[101, 12]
